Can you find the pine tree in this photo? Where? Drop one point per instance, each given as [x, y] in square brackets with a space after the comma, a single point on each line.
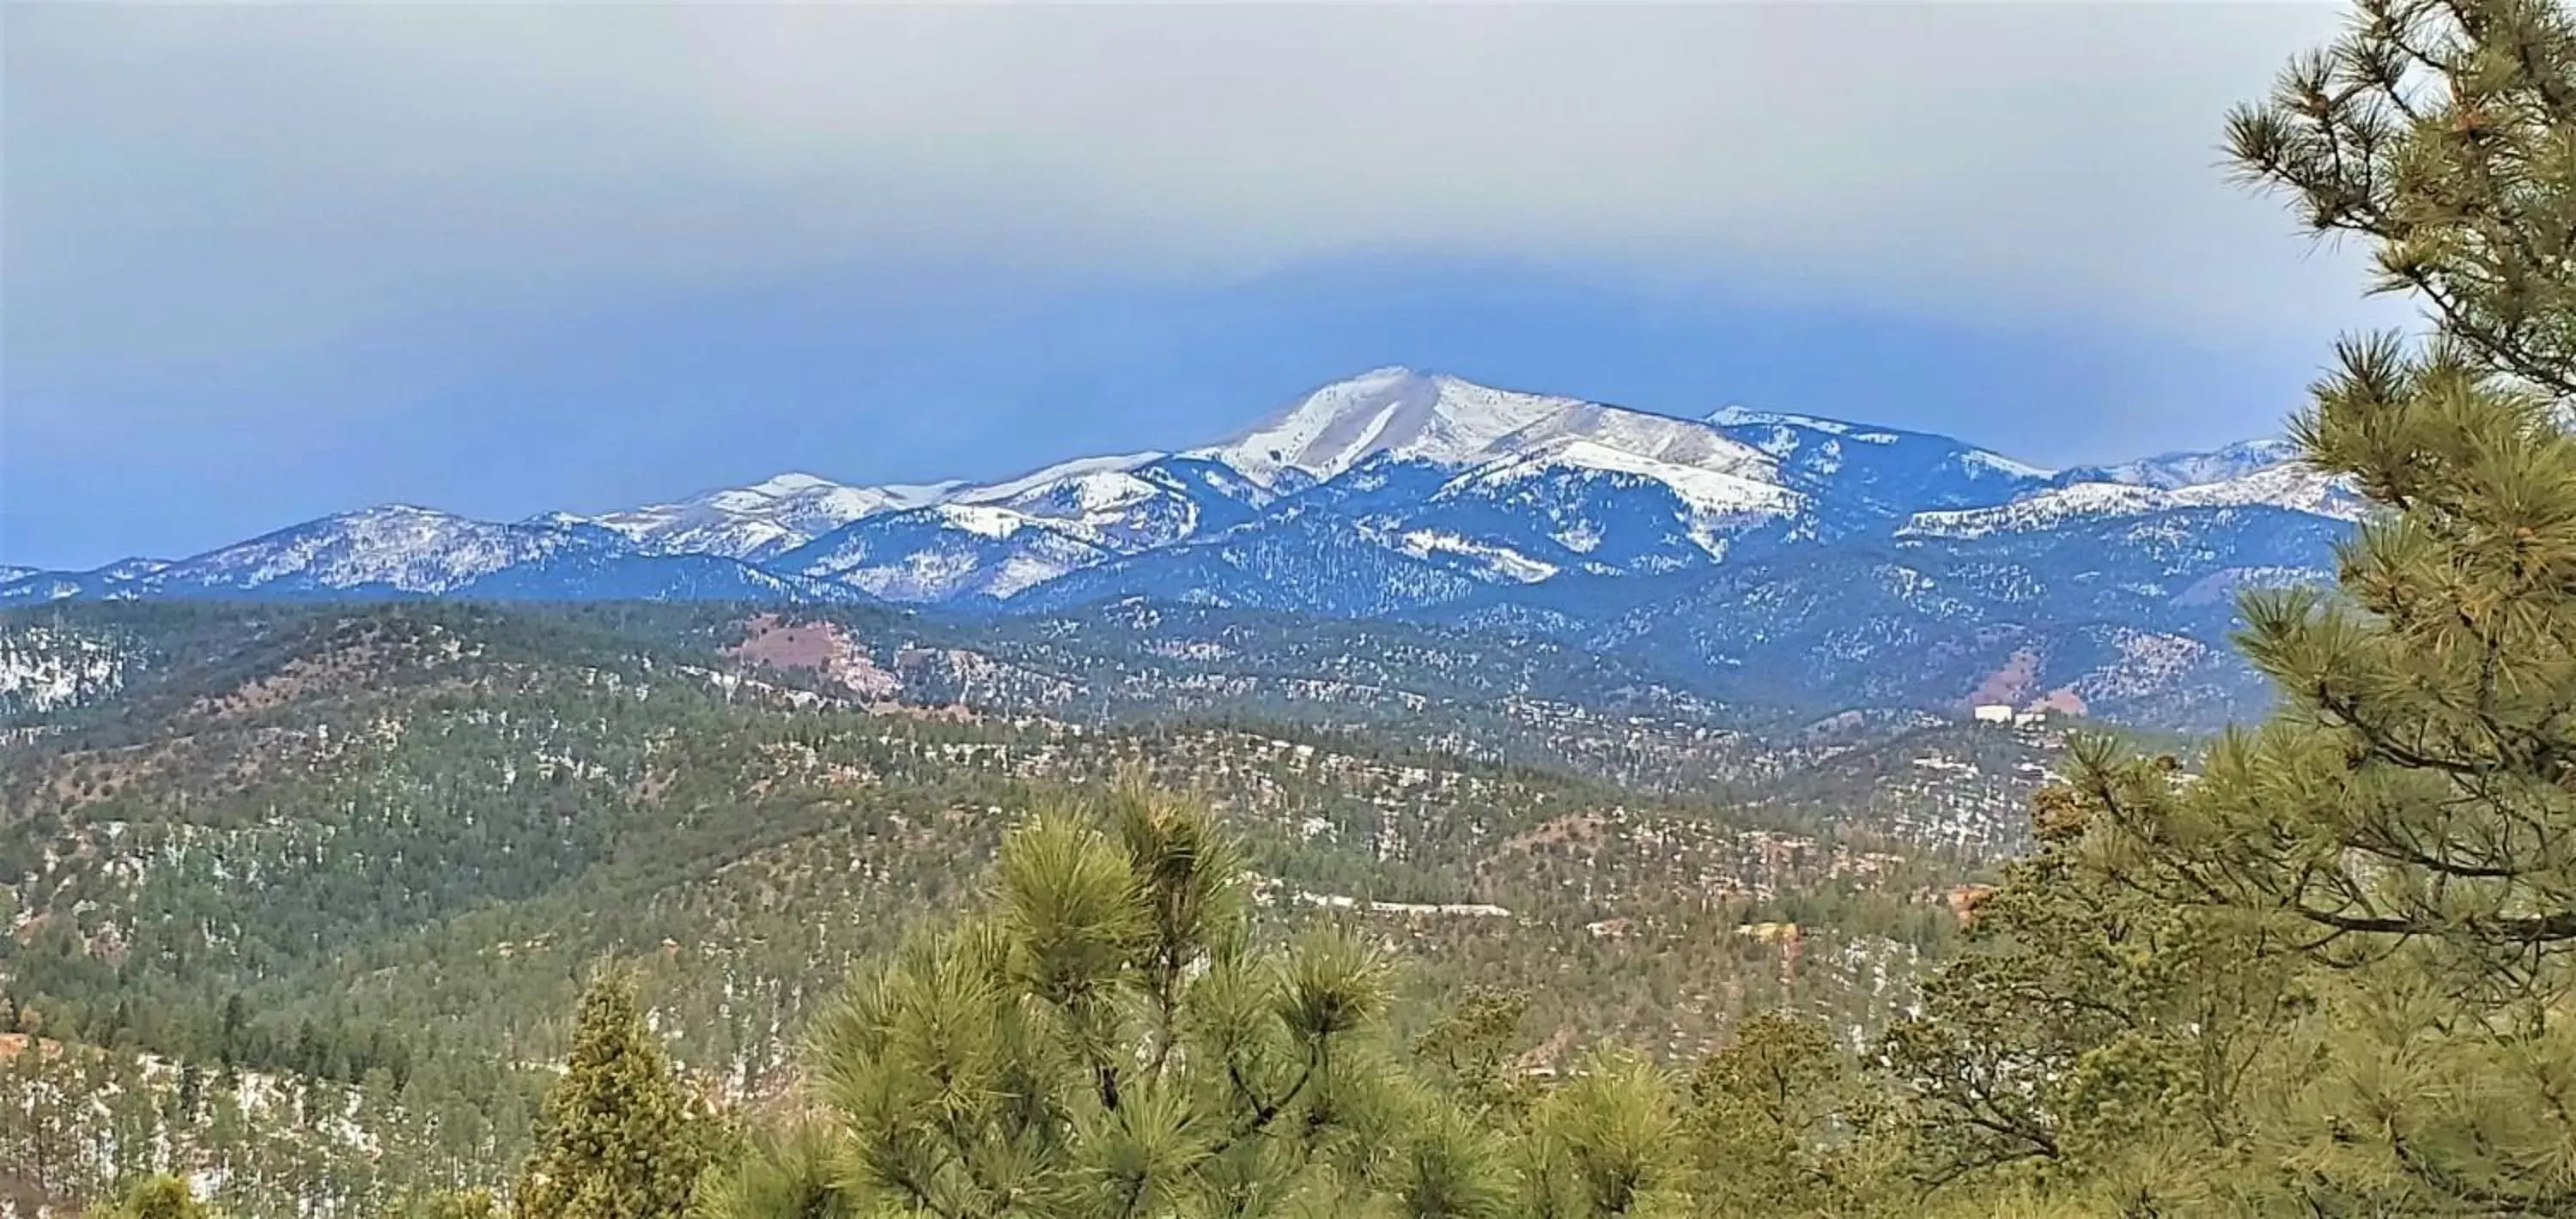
[1783, 1123]
[159, 1197]
[1100, 1035]
[787, 1173]
[1103, 1034]
[2436, 131]
[2429, 730]
[1470, 1049]
[2095, 1035]
[619, 1137]
[2401, 834]
[1604, 1144]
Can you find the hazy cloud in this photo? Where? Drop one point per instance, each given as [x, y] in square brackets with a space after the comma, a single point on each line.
[191, 183]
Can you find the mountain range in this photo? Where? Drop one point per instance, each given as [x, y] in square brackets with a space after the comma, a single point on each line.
[1859, 565]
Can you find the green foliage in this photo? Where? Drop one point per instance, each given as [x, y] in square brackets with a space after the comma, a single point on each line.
[2088, 1019]
[1103, 1035]
[1604, 1142]
[791, 1172]
[448, 1204]
[2334, 973]
[620, 1136]
[1470, 1050]
[1784, 1122]
[344, 865]
[1100, 1036]
[158, 1197]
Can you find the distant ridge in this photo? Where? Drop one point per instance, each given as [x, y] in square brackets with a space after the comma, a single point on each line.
[1745, 539]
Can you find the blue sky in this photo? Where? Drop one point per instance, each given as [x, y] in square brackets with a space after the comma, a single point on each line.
[268, 263]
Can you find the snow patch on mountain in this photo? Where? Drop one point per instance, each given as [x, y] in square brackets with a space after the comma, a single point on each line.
[2225, 584]
[946, 552]
[399, 550]
[1738, 416]
[1997, 462]
[1732, 487]
[131, 569]
[983, 520]
[44, 668]
[2289, 485]
[759, 521]
[2041, 511]
[1093, 472]
[395, 546]
[115, 579]
[1780, 433]
[2190, 469]
[1003, 538]
[1501, 562]
[1864, 479]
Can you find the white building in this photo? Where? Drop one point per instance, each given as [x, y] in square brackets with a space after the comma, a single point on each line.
[1994, 713]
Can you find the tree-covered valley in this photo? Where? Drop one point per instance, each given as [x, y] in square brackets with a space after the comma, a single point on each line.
[368, 856]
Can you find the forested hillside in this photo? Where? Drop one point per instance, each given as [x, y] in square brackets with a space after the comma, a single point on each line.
[362, 857]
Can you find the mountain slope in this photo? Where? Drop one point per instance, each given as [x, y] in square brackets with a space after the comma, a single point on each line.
[33, 584]
[759, 521]
[402, 551]
[2171, 470]
[999, 540]
[2288, 486]
[1862, 476]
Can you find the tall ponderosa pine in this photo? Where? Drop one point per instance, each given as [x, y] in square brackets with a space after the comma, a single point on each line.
[2420, 781]
[2379, 883]
[620, 1136]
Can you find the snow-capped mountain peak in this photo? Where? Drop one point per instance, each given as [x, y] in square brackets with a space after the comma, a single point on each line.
[789, 483]
[1397, 411]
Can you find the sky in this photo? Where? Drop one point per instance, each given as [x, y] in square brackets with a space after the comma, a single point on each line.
[259, 263]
